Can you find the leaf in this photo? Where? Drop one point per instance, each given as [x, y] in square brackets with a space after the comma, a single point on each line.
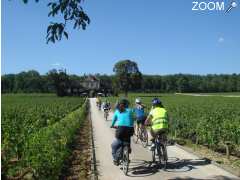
[65, 34]
[49, 4]
[49, 28]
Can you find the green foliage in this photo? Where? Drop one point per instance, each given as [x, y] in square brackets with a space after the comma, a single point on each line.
[128, 75]
[60, 80]
[31, 81]
[209, 121]
[23, 116]
[47, 149]
[70, 11]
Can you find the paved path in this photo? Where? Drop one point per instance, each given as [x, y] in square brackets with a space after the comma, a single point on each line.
[182, 165]
[196, 94]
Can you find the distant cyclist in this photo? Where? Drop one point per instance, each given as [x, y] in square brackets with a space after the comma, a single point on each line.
[158, 118]
[106, 105]
[99, 102]
[123, 121]
[139, 113]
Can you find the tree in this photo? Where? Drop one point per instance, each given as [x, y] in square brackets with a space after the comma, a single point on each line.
[7, 82]
[128, 75]
[70, 11]
[60, 81]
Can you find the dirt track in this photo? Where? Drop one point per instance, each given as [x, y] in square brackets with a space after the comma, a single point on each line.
[182, 165]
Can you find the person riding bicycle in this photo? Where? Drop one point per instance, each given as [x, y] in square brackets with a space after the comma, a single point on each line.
[99, 101]
[123, 120]
[106, 105]
[139, 113]
[158, 118]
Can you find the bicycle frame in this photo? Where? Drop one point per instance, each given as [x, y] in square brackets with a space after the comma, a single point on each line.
[142, 135]
[106, 113]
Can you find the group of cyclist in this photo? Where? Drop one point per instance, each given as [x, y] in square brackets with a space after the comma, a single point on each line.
[105, 105]
[123, 121]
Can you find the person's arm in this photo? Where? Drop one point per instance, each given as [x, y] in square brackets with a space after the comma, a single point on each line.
[149, 118]
[143, 106]
[114, 119]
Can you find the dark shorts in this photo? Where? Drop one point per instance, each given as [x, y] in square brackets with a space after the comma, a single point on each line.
[140, 120]
[106, 109]
[124, 133]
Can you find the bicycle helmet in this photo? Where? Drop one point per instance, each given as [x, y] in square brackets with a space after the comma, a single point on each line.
[138, 101]
[125, 102]
[156, 101]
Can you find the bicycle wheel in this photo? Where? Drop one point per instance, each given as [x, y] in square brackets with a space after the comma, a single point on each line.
[136, 135]
[144, 137]
[154, 155]
[125, 160]
[106, 117]
[164, 157]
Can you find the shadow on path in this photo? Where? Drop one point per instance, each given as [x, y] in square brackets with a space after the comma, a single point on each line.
[184, 165]
[211, 178]
[142, 168]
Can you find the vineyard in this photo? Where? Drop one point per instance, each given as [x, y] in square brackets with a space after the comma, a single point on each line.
[211, 121]
[35, 132]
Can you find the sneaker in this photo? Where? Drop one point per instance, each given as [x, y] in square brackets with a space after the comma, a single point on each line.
[115, 162]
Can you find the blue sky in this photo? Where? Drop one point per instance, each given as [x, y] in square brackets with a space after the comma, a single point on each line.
[163, 37]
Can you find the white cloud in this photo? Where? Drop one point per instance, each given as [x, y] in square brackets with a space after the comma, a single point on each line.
[56, 64]
[221, 40]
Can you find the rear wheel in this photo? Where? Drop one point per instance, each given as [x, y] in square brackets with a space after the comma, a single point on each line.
[136, 134]
[159, 154]
[105, 115]
[144, 137]
[125, 160]
[164, 156]
[154, 155]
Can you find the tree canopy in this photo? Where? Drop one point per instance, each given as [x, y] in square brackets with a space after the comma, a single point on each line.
[32, 81]
[70, 11]
[128, 75]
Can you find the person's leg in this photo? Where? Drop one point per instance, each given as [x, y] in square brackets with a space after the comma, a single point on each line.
[137, 127]
[129, 133]
[153, 135]
[115, 145]
[152, 138]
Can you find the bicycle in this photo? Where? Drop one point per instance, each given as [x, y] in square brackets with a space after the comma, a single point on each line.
[160, 150]
[106, 114]
[123, 156]
[99, 106]
[142, 135]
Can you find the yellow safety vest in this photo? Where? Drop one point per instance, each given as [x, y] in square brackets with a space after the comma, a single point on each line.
[160, 119]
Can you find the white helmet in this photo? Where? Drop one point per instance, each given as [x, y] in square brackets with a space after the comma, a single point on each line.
[138, 100]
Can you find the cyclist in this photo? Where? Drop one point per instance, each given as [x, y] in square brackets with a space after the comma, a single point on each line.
[99, 102]
[106, 105]
[123, 118]
[158, 118]
[139, 114]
